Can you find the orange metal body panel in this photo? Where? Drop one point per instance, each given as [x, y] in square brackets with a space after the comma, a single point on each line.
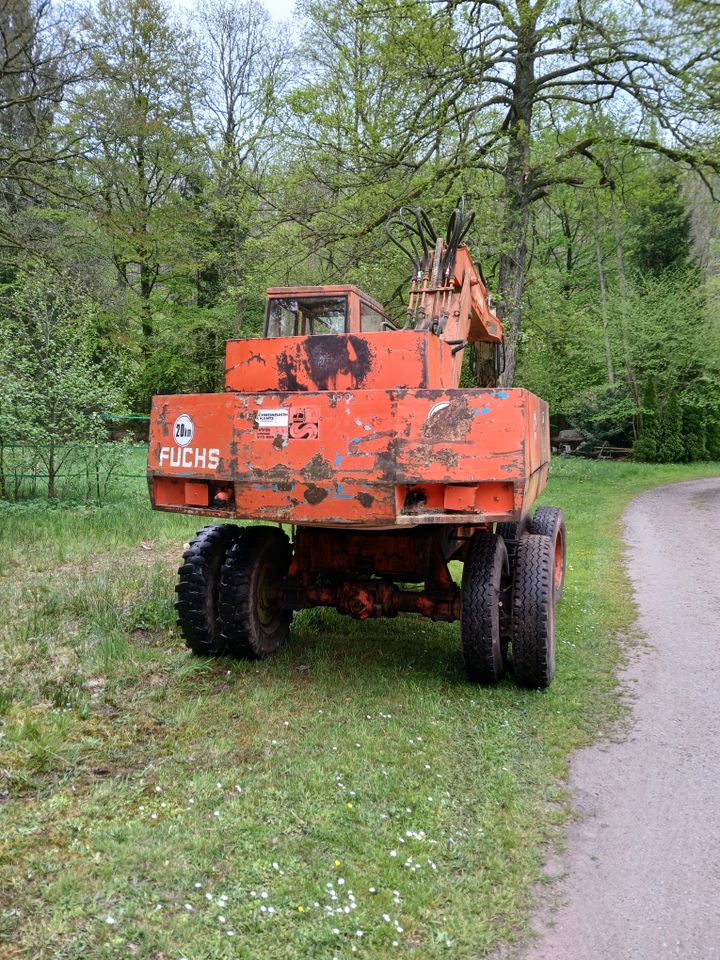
[370, 361]
[363, 457]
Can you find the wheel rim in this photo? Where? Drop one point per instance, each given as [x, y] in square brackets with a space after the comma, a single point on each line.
[266, 596]
[559, 562]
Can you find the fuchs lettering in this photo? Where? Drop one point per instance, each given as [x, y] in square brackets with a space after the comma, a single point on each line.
[189, 458]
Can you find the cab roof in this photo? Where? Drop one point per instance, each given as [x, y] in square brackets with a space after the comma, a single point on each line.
[337, 290]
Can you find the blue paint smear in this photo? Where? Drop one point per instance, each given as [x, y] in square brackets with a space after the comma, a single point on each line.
[338, 460]
[485, 409]
[339, 495]
[500, 394]
[271, 486]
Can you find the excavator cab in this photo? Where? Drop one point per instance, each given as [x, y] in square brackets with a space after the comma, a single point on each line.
[319, 311]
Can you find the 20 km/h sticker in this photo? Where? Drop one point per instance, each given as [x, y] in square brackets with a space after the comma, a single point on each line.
[183, 430]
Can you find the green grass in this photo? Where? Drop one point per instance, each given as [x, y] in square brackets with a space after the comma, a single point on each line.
[142, 785]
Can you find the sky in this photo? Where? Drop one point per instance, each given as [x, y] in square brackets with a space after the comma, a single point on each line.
[278, 9]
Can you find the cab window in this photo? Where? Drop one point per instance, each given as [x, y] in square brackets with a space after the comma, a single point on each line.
[371, 321]
[305, 316]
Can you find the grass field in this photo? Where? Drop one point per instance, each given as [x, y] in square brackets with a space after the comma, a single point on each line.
[352, 797]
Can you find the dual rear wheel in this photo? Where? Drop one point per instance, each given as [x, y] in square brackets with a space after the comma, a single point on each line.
[509, 591]
[227, 591]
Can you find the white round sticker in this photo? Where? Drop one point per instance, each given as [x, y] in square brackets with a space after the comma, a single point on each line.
[437, 408]
[184, 430]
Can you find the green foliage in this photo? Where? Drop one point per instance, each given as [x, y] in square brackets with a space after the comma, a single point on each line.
[647, 445]
[194, 167]
[605, 415]
[712, 436]
[52, 388]
[671, 448]
[186, 353]
[694, 432]
[661, 224]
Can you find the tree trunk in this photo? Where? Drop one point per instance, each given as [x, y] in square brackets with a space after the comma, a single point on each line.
[146, 287]
[604, 305]
[518, 197]
[622, 277]
[51, 488]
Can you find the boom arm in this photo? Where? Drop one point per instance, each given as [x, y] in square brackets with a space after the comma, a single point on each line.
[448, 295]
[454, 306]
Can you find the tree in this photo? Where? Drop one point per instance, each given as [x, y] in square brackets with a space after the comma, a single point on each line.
[517, 69]
[694, 433]
[647, 446]
[246, 66]
[141, 158]
[51, 387]
[671, 449]
[41, 59]
[549, 61]
[712, 428]
[661, 240]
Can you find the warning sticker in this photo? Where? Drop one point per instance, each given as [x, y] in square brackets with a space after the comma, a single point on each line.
[272, 423]
[304, 423]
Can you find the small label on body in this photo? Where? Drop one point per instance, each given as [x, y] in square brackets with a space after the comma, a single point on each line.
[271, 423]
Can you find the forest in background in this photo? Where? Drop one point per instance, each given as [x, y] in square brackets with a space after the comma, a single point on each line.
[158, 172]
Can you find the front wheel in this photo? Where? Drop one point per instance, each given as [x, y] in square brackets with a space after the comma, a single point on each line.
[253, 623]
[549, 522]
[533, 612]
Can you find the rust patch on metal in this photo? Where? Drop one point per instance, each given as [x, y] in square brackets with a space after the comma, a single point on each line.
[317, 469]
[328, 357]
[366, 499]
[315, 495]
[386, 461]
[448, 458]
[451, 423]
[287, 374]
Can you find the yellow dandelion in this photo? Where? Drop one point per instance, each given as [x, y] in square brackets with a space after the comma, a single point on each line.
[301, 909]
[349, 806]
[337, 863]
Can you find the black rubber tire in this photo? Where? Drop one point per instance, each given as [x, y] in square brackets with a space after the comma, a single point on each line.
[549, 522]
[197, 589]
[255, 565]
[485, 588]
[533, 612]
[511, 531]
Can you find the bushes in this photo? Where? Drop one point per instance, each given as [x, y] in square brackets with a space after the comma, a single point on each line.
[694, 428]
[672, 448]
[51, 383]
[683, 430]
[647, 445]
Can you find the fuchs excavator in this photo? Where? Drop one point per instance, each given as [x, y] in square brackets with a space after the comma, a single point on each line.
[365, 468]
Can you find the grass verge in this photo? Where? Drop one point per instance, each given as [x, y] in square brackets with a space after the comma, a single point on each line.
[352, 797]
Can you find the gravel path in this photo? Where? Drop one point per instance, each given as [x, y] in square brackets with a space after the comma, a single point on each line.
[641, 878]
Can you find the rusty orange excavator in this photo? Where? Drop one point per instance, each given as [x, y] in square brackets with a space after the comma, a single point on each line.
[352, 432]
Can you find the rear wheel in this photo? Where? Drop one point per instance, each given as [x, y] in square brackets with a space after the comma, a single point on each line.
[549, 522]
[485, 584]
[533, 612]
[253, 623]
[197, 588]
